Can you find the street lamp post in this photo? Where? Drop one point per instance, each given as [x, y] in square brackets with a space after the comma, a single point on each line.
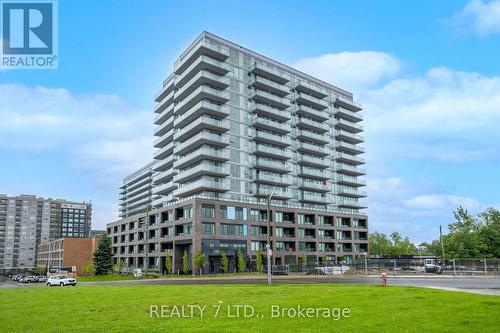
[268, 245]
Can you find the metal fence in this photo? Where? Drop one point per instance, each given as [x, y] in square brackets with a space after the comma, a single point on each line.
[453, 267]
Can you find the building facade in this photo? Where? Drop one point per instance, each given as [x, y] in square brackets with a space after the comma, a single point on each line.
[136, 191]
[27, 221]
[235, 126]
[66, 254]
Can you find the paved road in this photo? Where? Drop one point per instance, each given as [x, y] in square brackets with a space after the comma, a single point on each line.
[482, 285]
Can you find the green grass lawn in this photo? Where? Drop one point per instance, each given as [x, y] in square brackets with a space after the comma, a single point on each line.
[127, 308]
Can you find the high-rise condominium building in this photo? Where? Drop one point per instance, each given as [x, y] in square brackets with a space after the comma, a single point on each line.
[136, 191]
[233, 129]
[26, 221]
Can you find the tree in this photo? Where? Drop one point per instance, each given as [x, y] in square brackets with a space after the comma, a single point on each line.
[185, 262]
[224, 263]
[258, 259]
[242, 265]
[395, 245]
[324, 261]
[302, 259]
[168, 263]
[120, 265]
[199, 260]
[88, 269]
[103, 256]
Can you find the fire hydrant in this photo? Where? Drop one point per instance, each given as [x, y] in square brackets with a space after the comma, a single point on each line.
[383, 279]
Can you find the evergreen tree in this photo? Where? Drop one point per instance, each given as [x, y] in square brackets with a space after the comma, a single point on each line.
[185, 262]
[242, 266]
[259, 261]
[168, 263]
[224, 261]
[103, 256]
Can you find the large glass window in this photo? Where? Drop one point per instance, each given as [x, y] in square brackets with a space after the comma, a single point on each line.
[208, 211]
[208, 228]
[234, 229]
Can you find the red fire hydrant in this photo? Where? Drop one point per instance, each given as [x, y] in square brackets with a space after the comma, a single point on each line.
[383, 279]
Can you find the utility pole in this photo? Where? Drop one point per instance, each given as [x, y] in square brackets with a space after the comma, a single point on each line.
[268, 245]
[441, 241]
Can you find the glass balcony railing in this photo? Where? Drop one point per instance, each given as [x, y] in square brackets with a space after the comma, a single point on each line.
[205, 137]
[199, 109]
[268, 111]
[349, 136]
[350, 126]
[207, 153]
[273, 165]
[341, 179]
[349, 158]
[280, 89]
[202, 168]
[349, 147]
[308, 159]
[350, 169]
[276, 152]
[314, 124]
[303, 110]
[276, 139]
[348, 103]
[314, 136]
[314, 149]
[266, 97]
[275, 73]
[202, 184]
[206, 122]
[272, 125]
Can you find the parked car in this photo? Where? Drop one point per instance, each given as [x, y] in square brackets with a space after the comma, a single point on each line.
[42, 278]
[18, 277]
[29, 279]
[61, 280]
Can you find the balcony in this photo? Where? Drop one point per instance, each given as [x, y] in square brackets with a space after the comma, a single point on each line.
[202, 63]
[268, 98]
[270, 112]
[202, 123]
[158, 202]
[200, 154]
[348, 158]
[270, 72]
[202, 78]
[283, 128]
[314, 173]
[281, 180]
[314, 198]
[282, 141]
[201, 93]
[165, 163]
[308, 148]
[202, 138]
[164, 115]
[311, 89]
[164, 188]
[348, 126]
[200, 49]
[347, 103]
[200, 185]
[203, 107]
[273, 152]
[164, 152]
[350, 192]
[348, 115]
[165, 127]
[276, 166]
[305, 111]
[163, 176]
[271, 86]
[351, 204]
[349, 137]
[168, 87]
[314, 186]
[318, 138]
[165, 139]
[349, 148]
[203, 168]
[350, 170]
[311, 101]
[164, 103]
[350, 181]
[279, 192]
[312, 125]
[314, 161]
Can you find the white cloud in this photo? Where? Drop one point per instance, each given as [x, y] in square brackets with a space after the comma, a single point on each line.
[100, 138]
[448, 115]
[351, 70]
[437, 202]
[479, 17]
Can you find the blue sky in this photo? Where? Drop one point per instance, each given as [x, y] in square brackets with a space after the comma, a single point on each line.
[427, 74]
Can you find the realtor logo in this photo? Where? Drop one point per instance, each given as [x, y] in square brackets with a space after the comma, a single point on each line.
[29, 34]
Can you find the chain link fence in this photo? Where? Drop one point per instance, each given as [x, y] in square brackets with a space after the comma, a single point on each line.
[412, 267]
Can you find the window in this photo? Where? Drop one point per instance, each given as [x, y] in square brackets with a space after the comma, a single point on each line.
[279, 232]
[233, 213]
[208, 211]
[208, 228]
[255, 246]
[234, 229]
[187, 212]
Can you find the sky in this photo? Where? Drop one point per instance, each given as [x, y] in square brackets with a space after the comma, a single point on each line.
[427, 74]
